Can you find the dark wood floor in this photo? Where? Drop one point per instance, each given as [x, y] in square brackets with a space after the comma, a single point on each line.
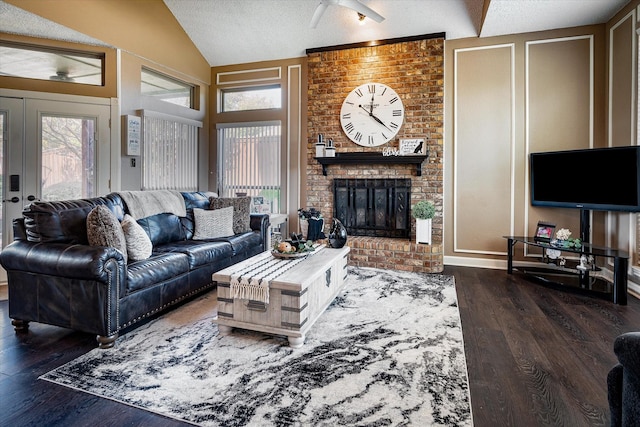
[535, 357]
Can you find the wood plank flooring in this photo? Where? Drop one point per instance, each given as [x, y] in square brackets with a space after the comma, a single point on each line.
[535, 357]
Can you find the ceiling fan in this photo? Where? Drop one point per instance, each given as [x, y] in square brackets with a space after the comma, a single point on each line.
[351, 4]
[62, 76]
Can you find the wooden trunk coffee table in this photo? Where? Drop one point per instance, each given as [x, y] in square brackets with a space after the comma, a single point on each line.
[296, 298]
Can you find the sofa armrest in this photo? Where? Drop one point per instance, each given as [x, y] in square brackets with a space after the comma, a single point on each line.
[67, 285]
[61, 259]
[260, 222]
[627, 348]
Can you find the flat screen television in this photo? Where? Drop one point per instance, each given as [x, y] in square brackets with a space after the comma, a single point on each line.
[605, 179]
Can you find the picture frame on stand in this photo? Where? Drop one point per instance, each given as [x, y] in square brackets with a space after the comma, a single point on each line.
[544, 231]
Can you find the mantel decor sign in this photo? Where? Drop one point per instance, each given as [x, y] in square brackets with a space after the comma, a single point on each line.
[412, 147]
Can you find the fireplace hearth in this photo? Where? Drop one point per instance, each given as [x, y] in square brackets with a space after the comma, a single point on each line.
[373, 207]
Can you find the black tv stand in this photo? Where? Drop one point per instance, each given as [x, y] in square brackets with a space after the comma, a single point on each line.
[571, 278]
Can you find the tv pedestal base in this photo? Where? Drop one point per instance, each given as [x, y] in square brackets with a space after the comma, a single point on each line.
[575, 279]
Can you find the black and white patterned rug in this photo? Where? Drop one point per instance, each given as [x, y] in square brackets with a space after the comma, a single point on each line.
[388, 351]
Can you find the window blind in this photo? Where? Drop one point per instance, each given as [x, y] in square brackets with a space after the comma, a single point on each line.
[170, 152]
[249, 161]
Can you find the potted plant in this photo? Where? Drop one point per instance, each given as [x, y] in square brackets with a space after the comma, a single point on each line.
[423, 212]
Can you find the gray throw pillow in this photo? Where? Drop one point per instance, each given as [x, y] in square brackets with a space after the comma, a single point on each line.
[103, 229]
[241, 211]
[139, 244]
[211, 224]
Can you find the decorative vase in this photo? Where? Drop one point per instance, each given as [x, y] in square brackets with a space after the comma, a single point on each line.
[304, 228]
[337, 235]
[423, 231]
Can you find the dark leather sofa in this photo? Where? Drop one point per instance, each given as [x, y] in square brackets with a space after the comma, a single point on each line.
[56, 277]
[623, 382]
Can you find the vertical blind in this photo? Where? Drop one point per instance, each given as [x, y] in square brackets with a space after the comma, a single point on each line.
[170, 152]
[249, 160]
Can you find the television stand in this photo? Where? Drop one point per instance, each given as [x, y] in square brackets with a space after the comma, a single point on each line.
[570, 277]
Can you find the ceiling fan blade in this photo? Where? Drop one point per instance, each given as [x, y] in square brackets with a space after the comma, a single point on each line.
[318, 14]
[361, 8]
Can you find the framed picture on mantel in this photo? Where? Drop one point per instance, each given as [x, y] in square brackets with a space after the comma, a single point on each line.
[412, 147]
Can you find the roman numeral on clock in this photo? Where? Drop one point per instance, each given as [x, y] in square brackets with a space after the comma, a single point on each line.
[370, 139]
[372, 88]
[358, 137]
[393, 125]
[346, 116]
[392, 100]
[348, 127]
[358, 92]
[397, 113]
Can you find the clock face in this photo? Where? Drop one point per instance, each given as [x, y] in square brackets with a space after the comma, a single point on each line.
[372, 114]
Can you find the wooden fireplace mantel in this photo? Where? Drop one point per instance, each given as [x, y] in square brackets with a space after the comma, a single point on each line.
[371, 158]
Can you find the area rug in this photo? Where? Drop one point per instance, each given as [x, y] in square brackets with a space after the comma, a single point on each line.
[387, 352]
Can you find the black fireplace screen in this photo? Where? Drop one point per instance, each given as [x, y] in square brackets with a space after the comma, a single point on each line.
[373, 207]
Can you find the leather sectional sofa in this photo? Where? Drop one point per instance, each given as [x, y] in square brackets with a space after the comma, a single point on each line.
[56, 277]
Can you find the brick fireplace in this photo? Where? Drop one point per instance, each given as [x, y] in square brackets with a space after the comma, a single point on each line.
[414, 69]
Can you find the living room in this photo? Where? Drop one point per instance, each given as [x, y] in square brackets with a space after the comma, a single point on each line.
[539, 90]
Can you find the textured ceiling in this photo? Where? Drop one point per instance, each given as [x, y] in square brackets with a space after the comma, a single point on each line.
[239, 31]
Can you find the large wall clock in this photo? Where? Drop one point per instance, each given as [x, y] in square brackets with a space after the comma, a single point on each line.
[372, 114]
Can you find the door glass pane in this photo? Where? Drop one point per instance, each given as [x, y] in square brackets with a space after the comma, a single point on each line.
[3, 119]
[68, 157]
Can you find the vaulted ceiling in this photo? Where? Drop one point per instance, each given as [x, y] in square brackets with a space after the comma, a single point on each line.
[240, 31]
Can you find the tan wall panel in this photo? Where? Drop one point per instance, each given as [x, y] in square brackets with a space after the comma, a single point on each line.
[559, 106]
[559, 94]
[621, 76]
[483, 148]
[622, 113]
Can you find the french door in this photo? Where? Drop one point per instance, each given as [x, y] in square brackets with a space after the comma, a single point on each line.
[51, 150]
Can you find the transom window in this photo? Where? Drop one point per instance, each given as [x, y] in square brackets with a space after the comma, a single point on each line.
[253, 98]
[165, 88]
[43, 63]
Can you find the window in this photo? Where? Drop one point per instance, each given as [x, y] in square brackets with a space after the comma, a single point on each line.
[254, 98]
[170, 152]
[42, 63]
[166, 88]
[68, 157]
[249, 161]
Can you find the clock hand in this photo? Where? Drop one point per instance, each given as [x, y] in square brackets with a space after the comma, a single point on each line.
[379, 121]
[371, 109]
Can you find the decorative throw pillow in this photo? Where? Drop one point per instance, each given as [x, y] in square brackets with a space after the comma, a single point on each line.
[103, 229]
[241, 211]
[211, 224]
[139, 245]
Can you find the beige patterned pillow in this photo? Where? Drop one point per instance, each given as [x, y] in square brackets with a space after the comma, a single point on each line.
[139, 244]
[241, 211]
[211, 224]
[103, 229]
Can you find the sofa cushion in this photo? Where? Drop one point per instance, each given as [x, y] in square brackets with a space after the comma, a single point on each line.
[104, 229]
[194, 199]
[214, 223]
[198, 252]
[241, 243]
[139, 245]
[162, 228]
[65, 221]
[154, 270]
[241, 211]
